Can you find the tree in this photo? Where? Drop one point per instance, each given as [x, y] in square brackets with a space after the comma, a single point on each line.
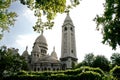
[90, 75]
[115, 72]
[78, 65]
[88, 60]
[10, 61]
[48, 9]
[110, 21]
[101, 62]
[115, 58]
[7, 18]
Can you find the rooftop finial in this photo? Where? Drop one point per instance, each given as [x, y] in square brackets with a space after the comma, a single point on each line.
[54, 48]
[42, 32]
[26, 48]
[67, 11]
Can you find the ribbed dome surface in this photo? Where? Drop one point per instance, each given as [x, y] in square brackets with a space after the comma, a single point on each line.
[41, 39]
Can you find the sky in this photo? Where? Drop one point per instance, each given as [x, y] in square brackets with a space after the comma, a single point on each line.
[88, 39]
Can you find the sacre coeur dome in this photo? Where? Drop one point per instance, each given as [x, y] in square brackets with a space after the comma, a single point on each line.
[41, 40]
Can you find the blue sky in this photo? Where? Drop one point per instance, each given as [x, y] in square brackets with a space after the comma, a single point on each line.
[88, 40]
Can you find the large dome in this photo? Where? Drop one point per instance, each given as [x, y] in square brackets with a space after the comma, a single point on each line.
[41, 39]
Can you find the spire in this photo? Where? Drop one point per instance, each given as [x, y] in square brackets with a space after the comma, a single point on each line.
[68, 19]
[67, 11]
[42, 32]
[26, 48]
[54, 48]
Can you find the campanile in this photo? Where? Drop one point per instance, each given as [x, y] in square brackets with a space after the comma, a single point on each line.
[68, 45]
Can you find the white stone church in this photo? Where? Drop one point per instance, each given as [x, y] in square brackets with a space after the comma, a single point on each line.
[40, 60]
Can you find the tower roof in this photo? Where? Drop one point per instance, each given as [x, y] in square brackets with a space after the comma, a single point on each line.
[68, 19]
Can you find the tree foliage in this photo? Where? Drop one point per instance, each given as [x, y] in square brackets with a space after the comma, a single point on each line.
[110, 21]
[10, 61]
[42, 9]
[88, 60]
[83, 73]
[115, 72]
[48, 9]
[7, 18]
[90, 75]
[115, 58]
[101, 62]
[95, 61]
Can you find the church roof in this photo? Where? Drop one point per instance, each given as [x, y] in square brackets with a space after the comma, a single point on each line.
[47, 58]
[41, 39]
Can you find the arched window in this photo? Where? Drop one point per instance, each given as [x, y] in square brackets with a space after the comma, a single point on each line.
[57, 69]
[71, 51]
[34, 69]
[38, 69]
[37, 55]
[45, 68]
[71, 29]
[53, 69]
[65, 29]
[49, 69]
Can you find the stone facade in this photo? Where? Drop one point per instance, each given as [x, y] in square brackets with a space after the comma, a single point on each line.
[40, 60]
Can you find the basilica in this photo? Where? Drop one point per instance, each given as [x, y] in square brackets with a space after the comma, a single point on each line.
[40, 60]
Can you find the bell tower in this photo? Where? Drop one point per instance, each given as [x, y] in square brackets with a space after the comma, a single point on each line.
[68, 46]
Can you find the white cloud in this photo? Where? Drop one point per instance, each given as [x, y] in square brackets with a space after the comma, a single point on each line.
[25, 40]
[29, 15]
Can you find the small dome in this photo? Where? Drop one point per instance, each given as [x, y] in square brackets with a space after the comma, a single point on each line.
[36, 49]
[25, 53]
[41, 39]
[47, 58]
[54, 54]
